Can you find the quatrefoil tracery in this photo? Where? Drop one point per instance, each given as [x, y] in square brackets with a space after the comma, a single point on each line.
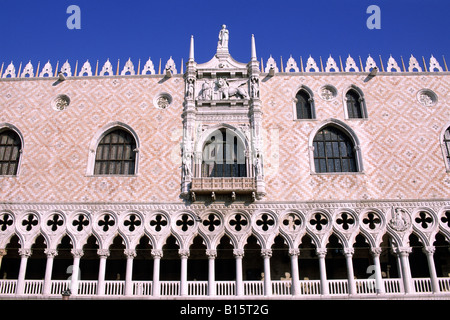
[55, 222]
[446, 218]
[132, 222]
[30, 222]
[80, 222]
[5, 222]
[185, 222]
[108, 221]
[423, 219]
[345, 221]
[211, 222]
[158, 222]
[238, 222]
[372, 220]
[266, 222]
[318, 221]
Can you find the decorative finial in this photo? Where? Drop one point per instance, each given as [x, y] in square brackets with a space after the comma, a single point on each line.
[191, 50]
[253, 48]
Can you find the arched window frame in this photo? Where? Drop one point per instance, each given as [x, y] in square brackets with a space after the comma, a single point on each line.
[445, 148]
[310, 93]
[351, 134]
[99, 136]
[197, 169]
[362, 102]
[8, 126]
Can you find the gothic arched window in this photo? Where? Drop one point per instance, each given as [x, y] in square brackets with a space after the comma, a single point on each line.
[10, 150]
[446, 145]
[355, 105]
[334, 151]
[304, 105]
[223, 155]
[116, 153]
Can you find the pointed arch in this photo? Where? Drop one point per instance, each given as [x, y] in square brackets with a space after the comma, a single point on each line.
[120, 139]
[444, 141]
[303, 104]
[334, 148]
[354, 103]
[223, 152]
[11, 147]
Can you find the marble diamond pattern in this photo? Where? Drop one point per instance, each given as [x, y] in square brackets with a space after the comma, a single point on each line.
[401, 152]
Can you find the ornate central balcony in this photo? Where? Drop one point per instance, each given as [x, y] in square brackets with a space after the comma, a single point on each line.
[223, 185]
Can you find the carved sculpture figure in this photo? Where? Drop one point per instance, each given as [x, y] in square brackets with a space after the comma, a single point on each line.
[226, 91]
[398, 221]
[223, 37]
[254, 87]
[206, 91]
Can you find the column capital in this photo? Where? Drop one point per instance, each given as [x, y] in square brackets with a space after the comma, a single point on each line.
[238, 253]
[130, 253]
[211, 253]
[294, 252]
[321, 252]
[184, 253]
[25, 252]
[103, 253]
[77, 253]
[51, 253]
[402, 250]
[349, 251]
[266, 253]
[429, 250]
[376, 251]
[157, 253]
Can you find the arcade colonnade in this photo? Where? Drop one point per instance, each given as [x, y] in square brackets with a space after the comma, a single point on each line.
[284, 239]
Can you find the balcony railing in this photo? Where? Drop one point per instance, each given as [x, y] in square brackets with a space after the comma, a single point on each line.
[228, 184]
[254, 289]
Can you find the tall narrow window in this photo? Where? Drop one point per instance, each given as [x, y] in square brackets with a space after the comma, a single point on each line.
[303, 105]
[355, 108]
[116, 154]
[446, 143]
[10, 149]
[334, 151]
[223, 156]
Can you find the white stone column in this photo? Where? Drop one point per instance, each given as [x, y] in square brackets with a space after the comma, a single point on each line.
[156, 287]
[429, 251]
[348, 252]
[184, 255]
[75, 277]
[212, 254]
[51, 254]
[2, 253]
[130, 254]
[406, 270]
[24, 255]
[103, 254]
[294, 253]
[239, 254]
[321, 253]
[266, 254]
[379, 283]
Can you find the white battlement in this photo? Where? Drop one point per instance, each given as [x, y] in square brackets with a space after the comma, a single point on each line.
[292, 66]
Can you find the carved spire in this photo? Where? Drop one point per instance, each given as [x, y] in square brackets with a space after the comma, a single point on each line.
[253, 48]
[191, 50]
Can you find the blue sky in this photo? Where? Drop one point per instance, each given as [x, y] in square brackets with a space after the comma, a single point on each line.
[37, 31]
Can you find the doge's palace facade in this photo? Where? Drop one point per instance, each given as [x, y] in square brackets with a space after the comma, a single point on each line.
[313, 179]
